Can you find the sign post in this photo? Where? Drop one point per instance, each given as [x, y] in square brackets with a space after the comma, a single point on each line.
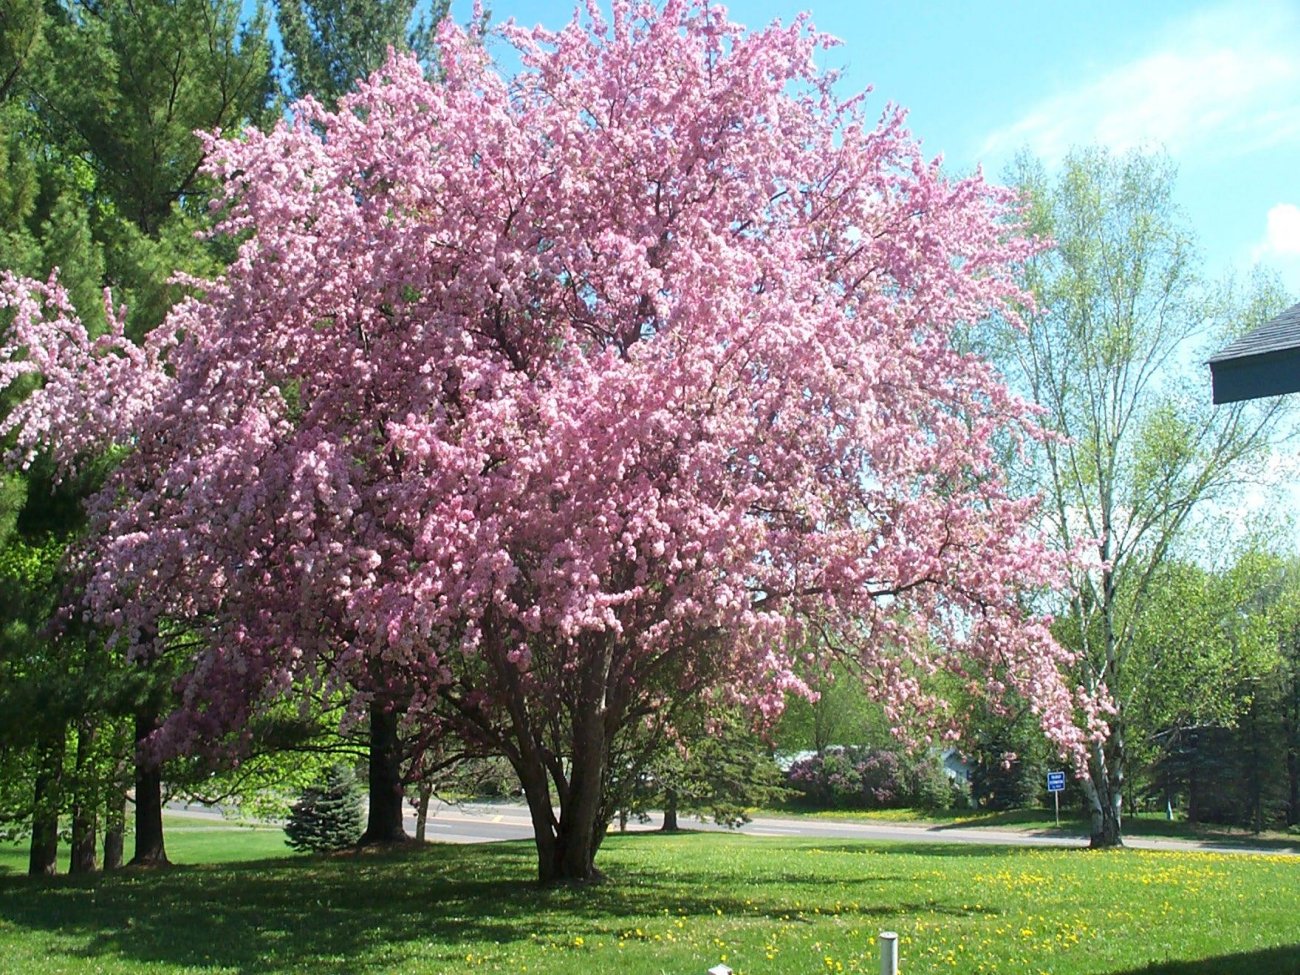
[1056, 785]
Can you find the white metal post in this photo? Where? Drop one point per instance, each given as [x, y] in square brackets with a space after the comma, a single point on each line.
[888, 953]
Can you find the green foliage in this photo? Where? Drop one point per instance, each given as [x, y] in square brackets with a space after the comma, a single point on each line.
[328, 816]
[69, 246]
[117, 100]
[1226, 708]
[268, 763]
[1203, 640]
[717, 769]
[99, 176]
[329, 44]
[20, 41]
[843, 714]
[129, 83]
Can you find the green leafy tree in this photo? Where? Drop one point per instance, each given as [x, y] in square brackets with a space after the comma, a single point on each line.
[1009, 758]
[719, 772]
[57, 691]
[1231, 756]
[1139, 449]
[1205, 638]
[841, 714]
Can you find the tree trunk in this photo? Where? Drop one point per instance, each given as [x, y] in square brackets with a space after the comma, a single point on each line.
[577, 839]
[1291, 735]
[384, 820]
[85, 806]
[1103, 788]
[670, 812]
[566, 847]
[424, 794]
[43, 859]
[85, 833]
[567, 844]
[1293, 786]
[150, 850]
[114, 830]
[1104, 784]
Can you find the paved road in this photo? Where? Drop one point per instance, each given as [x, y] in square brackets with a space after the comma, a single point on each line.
[491, 822]
[477, 823]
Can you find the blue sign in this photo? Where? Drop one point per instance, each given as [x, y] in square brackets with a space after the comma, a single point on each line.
[1055, 781]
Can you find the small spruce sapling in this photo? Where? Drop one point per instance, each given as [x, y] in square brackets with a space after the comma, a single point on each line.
[328, 816]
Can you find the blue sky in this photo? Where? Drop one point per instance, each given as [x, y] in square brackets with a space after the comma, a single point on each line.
[1215, 84]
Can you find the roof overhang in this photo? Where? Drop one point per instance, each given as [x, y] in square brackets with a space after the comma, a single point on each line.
[1263, 362]
[1256, 376]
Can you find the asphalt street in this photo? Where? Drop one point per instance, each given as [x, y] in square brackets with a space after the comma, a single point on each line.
[485, 822]
[493, 822]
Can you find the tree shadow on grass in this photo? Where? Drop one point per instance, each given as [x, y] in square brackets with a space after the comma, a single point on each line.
[326, 914]
[381, 910]
[369, 913]
[1284, 960]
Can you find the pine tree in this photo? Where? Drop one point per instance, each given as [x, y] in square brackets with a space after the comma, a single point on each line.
[328, 816]
[329, 44]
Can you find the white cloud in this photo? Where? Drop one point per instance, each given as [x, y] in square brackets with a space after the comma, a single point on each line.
[1282, 233]
[1280, 247]
[1223, 82]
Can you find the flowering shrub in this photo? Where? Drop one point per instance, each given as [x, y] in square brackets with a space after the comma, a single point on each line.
[870, 778]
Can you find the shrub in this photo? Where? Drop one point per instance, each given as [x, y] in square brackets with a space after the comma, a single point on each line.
[327, 816]
[870, 778]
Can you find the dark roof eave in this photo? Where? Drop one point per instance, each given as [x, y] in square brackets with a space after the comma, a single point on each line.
[1243, 377]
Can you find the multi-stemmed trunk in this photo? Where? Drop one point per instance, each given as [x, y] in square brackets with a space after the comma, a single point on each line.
[150, 850]
[384, 821]
[1104, 787]
[567, 840]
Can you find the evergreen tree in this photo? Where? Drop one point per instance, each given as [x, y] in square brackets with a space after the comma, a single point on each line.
[125, 87]
[328, 816]
[718, 769]
[329, 44]
[99, 164]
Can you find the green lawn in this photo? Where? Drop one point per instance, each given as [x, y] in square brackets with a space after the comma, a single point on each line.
[674, 905]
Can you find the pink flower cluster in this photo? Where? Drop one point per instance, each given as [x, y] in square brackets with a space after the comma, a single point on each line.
[624, 380]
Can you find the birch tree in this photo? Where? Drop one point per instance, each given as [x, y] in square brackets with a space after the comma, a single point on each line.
[1112, 354]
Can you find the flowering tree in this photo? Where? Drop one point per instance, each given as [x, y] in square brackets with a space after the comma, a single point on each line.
[534, 408]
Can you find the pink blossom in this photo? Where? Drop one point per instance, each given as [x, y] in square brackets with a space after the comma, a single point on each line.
[613, 386]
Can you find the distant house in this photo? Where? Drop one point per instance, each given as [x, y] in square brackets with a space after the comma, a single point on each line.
[1263, 362]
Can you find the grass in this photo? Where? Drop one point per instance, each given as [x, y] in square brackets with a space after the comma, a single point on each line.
[673, 904]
